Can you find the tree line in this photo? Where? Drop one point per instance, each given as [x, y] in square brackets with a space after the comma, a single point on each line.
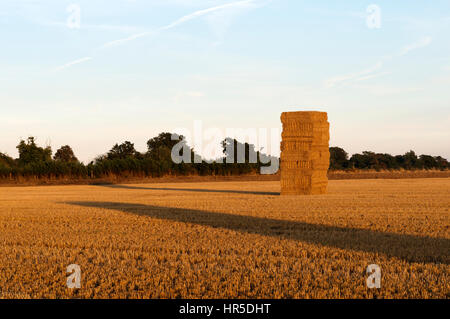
[125, 161]
[340, 160]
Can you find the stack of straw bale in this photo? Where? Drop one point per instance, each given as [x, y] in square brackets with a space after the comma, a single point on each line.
[305, 155]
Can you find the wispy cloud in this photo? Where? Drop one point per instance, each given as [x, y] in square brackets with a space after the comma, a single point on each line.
[420, 24]
[221, 20]
[423, 42]
[238, 4]
[78, 61]
[100, 27]
[382, 90]
[127, 39]
[334, 81]
[204, 12]
[371, 72]
[371, 76]
[337, 13]
[199, 13]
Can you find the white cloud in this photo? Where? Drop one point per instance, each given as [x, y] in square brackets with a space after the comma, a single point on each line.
[243, 4]
[105, 27]
[358, 76]
[336, 13]
[423, 42]
[78, 61]
[369, 73]
[382, 90]
[220, 21]
[130, 38]
[371, 76]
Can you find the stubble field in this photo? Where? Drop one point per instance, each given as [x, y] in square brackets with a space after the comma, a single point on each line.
[226, 240]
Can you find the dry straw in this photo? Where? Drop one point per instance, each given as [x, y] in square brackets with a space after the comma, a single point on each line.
[305, 155]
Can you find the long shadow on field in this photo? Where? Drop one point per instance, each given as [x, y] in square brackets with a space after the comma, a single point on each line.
[201, 190]
[408, 247]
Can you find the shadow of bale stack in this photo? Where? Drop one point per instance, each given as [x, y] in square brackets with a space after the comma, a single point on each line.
[305, 154]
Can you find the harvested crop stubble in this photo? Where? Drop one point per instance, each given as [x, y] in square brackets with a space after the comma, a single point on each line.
[226, 240]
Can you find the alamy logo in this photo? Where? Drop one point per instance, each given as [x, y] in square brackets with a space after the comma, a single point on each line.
[234, 140]
[74, 19]
[373, 19]
[74, 279]
[374, 279]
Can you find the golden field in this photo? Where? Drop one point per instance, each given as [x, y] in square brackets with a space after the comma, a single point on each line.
[226, 240]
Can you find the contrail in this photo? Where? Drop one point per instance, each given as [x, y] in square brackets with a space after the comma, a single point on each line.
[191, 16]
[423, 42]
[67, 65]
[182, 20]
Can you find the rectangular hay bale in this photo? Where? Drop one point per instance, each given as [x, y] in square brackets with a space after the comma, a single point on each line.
[305, 155]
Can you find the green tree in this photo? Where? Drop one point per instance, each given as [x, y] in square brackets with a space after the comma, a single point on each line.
[65, 154]
[387, 161]
[29, 152]
[427, 161]
[160, 147]
[122, 151]
[338, 158]
[442, 163]
[164, 140]
[410, 160]
[6, 160]
[237, 152]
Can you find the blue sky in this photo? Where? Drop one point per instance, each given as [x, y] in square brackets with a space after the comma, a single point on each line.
[136, 68]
